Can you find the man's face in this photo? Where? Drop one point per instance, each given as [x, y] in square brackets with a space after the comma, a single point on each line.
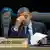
[27, 17]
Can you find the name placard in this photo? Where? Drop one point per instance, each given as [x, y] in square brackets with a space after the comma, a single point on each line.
[14, 42]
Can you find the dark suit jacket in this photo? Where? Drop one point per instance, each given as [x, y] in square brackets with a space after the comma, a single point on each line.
[37, 27]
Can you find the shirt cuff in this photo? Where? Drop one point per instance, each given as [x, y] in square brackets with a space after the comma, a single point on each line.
[15, 29]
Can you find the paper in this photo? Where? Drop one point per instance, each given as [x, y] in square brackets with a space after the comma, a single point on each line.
[36, 37]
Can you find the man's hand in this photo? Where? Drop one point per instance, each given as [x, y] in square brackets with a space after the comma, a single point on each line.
[19, 20]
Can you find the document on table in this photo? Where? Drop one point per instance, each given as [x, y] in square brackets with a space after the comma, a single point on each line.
[36, 37]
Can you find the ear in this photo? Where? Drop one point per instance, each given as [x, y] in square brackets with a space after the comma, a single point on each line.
[30, 14]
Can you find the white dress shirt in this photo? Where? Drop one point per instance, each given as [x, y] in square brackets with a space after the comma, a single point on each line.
[30, 28]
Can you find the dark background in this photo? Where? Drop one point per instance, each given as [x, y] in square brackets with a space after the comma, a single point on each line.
[33, 5]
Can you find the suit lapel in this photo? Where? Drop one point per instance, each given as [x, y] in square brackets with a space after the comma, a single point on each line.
[33, 27]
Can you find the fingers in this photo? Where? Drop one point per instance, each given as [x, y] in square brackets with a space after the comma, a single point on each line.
[20, 19]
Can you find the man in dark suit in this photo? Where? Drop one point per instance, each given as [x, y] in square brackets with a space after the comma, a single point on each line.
[25, 27]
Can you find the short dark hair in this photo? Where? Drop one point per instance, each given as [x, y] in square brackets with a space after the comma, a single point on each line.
[23, 9]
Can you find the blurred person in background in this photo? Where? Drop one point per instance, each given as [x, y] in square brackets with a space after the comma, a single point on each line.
[6, 20]
[25, 27]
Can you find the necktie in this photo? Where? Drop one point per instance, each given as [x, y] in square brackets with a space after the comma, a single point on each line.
[27, 34]
[26, 31]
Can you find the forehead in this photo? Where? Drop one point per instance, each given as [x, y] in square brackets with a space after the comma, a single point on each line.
[25, 13]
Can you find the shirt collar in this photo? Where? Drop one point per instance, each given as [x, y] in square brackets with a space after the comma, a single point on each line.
[30, 24]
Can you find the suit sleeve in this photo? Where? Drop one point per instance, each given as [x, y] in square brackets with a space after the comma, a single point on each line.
[12, 32]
